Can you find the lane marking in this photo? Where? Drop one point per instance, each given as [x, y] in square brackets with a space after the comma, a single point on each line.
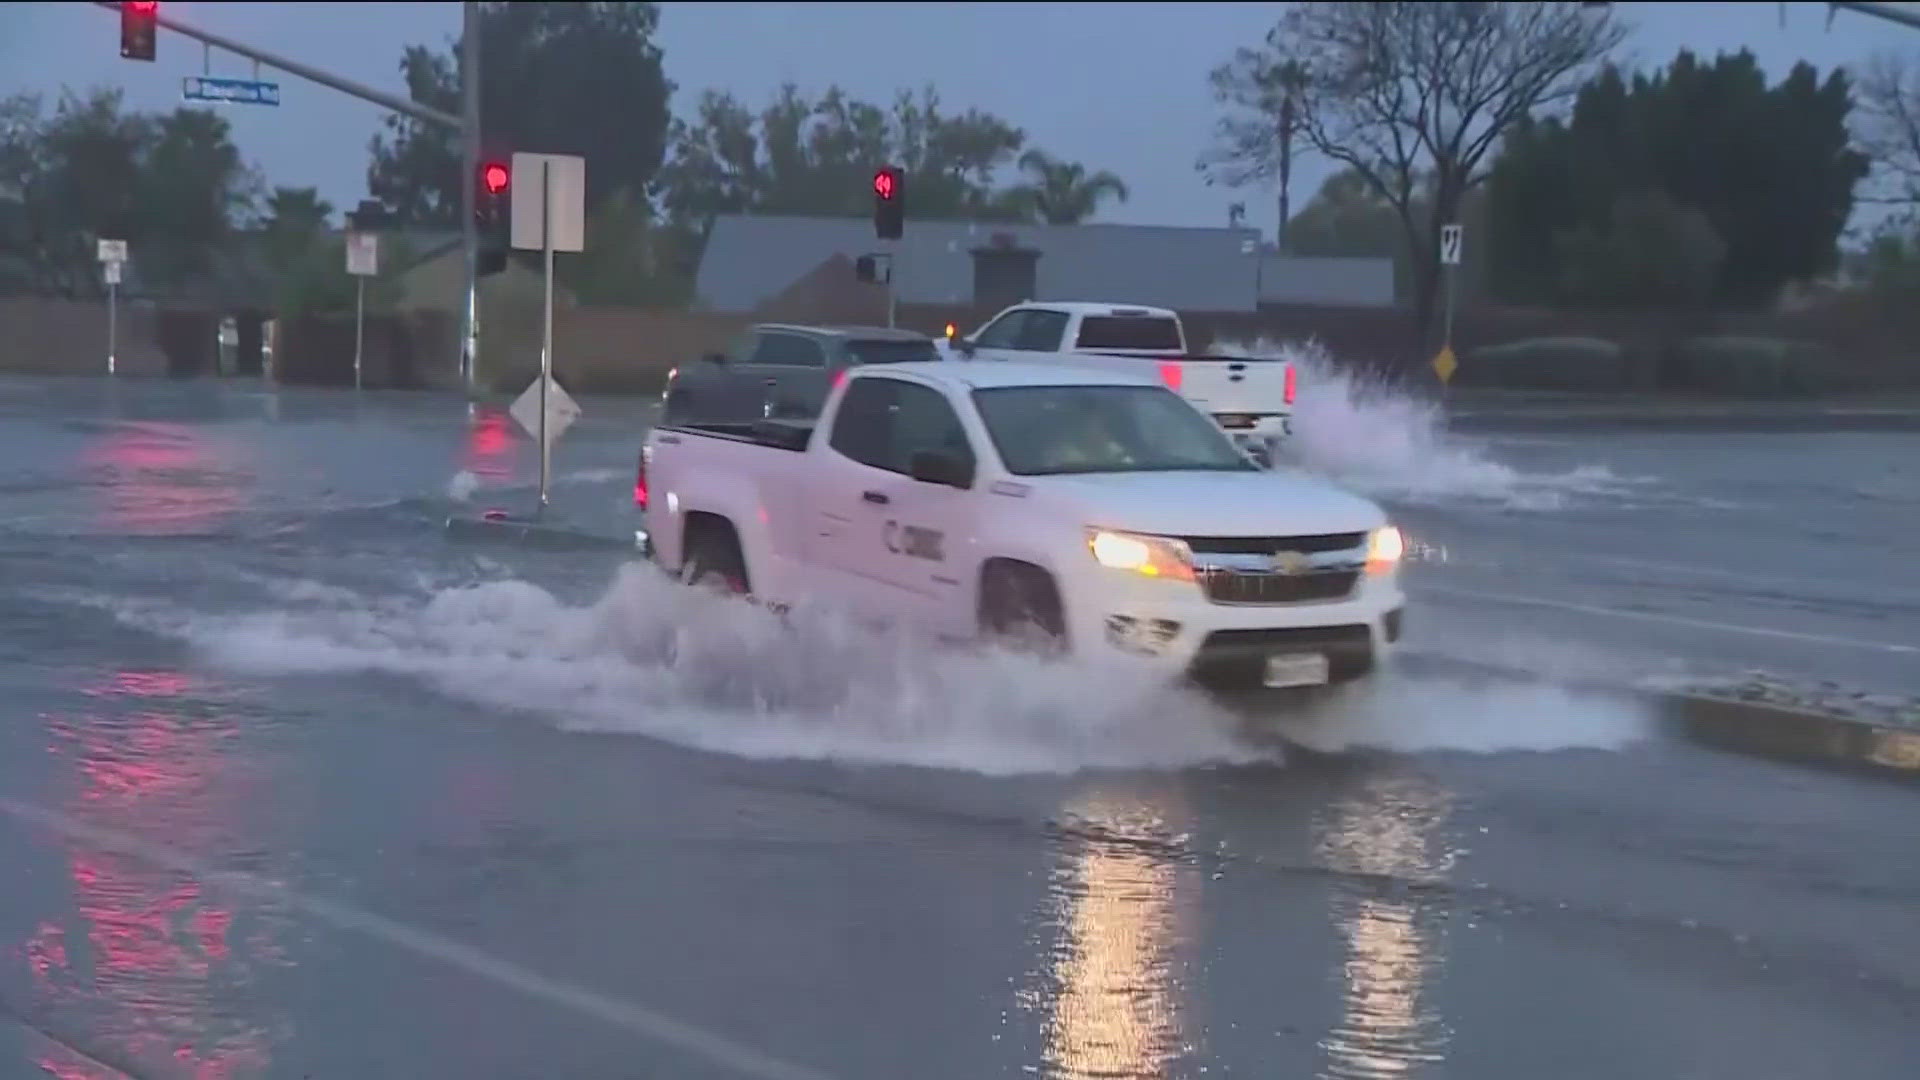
[635, 1019]
[1674, 620]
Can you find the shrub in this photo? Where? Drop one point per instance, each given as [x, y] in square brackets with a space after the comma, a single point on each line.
[1751, 366]
[1560, 363]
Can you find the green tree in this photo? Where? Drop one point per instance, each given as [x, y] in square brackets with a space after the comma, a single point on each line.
[628, 259]
[583, 78]
[1063, 192]
[172, 186]
[1775, 181]
[800, 155]
[1412, 96]
[1653, 253]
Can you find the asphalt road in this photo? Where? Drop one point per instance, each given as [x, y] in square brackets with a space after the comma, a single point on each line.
[291, 786]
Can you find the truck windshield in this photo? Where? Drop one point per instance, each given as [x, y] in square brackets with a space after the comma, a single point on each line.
[891, 352]
[1046, 430]
[1145, 332]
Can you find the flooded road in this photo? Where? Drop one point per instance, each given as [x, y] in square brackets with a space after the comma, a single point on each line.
[292, 786]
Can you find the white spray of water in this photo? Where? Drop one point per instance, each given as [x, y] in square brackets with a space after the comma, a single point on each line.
[1387, 443]
[465, 483]
[654, 658]
[462, 486]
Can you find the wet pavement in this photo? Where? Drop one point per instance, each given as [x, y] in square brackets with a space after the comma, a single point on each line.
[292, 786]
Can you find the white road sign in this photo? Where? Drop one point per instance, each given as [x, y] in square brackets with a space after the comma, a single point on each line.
[113, 272]
[363, 254]
[562, 411]
[1450, 244]
[113, 251]
[565, 216]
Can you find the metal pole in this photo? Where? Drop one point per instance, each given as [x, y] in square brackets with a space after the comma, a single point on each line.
[893, 292]
[546, 323]
[470, 157]
[113, 326]
[312, 74]
[359, 324]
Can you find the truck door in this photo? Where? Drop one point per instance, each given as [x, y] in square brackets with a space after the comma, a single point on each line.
[895, 545]
[1018, 334]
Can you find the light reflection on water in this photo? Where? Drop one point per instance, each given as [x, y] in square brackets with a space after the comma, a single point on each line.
[160, 479]
[145, 961]
[1388, 1027]
[1114, 1003]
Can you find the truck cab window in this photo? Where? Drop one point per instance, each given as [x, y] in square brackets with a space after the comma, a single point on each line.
[923, 420]
[861, 429]
[1002, 332]
[788, 350]
[1042, 331]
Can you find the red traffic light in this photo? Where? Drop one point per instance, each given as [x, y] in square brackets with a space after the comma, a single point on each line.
[138, 27]
[494, 177]
[884, 183]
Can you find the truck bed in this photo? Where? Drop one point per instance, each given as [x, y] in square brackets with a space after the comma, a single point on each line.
[787, 435]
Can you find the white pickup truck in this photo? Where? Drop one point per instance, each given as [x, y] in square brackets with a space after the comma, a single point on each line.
[990, 500]
[1250, 397]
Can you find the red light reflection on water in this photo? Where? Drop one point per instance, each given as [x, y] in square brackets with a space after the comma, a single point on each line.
[492, 452]
[163, 479]
[146, 951]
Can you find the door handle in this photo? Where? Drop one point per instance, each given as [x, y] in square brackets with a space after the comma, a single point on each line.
[879, 497]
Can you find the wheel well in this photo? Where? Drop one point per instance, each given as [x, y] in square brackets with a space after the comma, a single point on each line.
[703, 525]
[1018, 570]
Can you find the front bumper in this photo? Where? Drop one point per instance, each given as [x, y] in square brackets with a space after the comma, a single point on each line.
[1172, 626]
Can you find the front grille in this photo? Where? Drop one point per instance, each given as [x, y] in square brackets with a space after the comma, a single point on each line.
[1234, 587]
[1267, 545]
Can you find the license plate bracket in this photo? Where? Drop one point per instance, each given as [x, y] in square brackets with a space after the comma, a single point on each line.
[1296, 669]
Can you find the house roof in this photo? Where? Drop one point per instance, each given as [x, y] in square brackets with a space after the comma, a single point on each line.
[750, 259]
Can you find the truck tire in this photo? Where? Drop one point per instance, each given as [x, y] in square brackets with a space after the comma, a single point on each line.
[1020, 609]
[713, 560]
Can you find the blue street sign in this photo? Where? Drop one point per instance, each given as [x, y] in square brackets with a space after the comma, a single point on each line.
[229, 91]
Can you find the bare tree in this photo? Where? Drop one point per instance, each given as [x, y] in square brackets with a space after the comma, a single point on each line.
[1887, 127]
[1413, 97]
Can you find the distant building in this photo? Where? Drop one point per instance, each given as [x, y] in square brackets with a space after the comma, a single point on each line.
[751, 260]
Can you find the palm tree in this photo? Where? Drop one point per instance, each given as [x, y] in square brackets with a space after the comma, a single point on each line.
[1062, 193]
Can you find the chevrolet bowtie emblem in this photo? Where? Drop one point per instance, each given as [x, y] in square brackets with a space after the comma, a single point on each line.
[1290, 562]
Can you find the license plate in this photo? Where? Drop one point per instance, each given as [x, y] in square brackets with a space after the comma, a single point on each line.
[1296, 669]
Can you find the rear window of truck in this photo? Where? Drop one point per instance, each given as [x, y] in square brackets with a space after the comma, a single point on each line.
[1129, 332]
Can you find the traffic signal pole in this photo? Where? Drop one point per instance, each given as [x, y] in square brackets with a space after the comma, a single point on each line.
[468, 125]
[470, 165]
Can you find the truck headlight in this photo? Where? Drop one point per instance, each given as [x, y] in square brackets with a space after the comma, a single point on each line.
[1148, 556]
[1384, 550]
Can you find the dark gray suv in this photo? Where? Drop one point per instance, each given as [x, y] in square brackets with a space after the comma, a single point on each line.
[782, 371]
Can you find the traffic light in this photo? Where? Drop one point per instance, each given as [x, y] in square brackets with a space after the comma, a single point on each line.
[139, 27]
[889, 204]
[491, 211]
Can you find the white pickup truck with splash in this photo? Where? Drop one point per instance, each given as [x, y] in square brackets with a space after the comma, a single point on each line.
[1095, 508]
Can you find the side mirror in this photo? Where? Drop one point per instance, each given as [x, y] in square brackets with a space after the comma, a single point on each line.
[934, 467]
[965, 345]
[718, 358]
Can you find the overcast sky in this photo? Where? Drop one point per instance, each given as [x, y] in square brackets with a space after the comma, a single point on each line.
[1120, 86]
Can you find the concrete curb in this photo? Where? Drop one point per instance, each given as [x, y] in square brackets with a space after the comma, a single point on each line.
[1757, 729]
[544, 536]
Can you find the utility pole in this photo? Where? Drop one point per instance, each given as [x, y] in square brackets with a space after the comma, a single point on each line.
[470, 167]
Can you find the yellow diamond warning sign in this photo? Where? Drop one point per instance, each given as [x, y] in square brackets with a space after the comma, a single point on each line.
[1444, 365]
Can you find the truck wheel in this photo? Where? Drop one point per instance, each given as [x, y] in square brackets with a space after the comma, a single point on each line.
[713, 562]
[1020, 608]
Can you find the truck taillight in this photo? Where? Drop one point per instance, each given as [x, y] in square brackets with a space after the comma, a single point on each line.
[1170, 373]
[838, 378]
[1293, 383]
[640, 481]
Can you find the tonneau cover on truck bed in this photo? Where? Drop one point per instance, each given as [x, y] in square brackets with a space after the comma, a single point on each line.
[778, 434]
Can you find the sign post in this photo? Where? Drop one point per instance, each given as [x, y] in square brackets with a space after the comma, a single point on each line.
[1445, 363]
[113, 255]
[549, 215]
[363, 262]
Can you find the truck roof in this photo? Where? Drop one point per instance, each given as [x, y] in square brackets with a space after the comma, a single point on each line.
[1098, 307]
[863, 333]
[987, 374]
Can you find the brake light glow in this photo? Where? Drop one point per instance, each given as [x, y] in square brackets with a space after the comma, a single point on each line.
[640, 482]
[1292, 383]
[1171, 373]
[839, 377]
